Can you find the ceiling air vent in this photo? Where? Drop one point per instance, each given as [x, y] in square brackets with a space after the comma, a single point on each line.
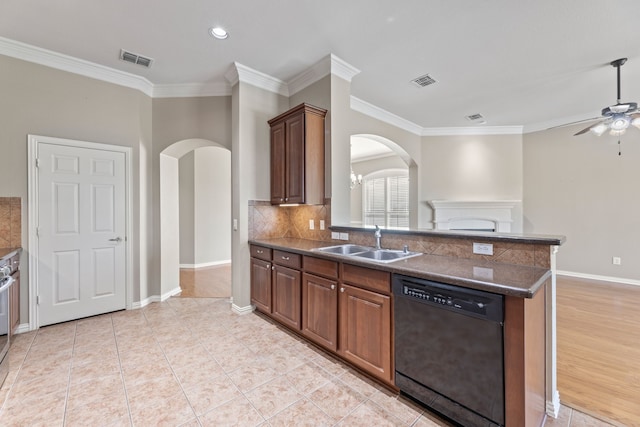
[423, 81]
[475, 117]
[134, 58]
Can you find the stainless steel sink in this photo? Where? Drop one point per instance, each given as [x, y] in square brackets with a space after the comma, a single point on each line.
[386, 255]
[365, 252]
[344, 249]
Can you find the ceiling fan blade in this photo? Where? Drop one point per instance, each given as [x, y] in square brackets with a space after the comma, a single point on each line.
[583, 131]
[574, 123]
[596, 127]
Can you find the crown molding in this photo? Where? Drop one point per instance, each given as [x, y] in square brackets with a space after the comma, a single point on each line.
[472, 130]
[191, 90]
[37, 55]
[330, 64]
[371, 110]
[256, 78]
[343, 69]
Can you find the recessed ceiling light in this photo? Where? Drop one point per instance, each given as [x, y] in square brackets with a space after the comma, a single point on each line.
[218, 32]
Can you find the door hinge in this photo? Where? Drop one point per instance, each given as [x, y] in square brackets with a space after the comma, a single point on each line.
[37, 231]
[38, 300]
[37, 162]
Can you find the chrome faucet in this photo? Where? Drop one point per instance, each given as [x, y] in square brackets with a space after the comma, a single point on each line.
[378, 236]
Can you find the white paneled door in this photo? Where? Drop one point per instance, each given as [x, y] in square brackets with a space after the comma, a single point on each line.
[81, 232]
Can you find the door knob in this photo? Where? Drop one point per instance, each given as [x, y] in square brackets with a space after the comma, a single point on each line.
[117, 239]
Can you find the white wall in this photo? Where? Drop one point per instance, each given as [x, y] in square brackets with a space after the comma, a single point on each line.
[579, 187]
[481, 167]
[186, 179]
[212, 206]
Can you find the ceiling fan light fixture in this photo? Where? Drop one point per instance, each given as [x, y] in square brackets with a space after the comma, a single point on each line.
[636, 122]
[615, 132]
[620, 122]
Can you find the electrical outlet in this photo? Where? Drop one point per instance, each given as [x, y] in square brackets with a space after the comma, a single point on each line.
[312, 225]
[483, 248]
[335, 235]
[616, 260]
[344, 236]
[322, 224]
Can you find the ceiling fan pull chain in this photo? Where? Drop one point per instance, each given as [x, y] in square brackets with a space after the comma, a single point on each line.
[619, 150]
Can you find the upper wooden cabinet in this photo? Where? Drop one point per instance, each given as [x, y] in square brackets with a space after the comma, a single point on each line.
[297, 156]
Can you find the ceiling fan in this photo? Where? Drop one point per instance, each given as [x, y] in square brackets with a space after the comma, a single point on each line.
[618, 117]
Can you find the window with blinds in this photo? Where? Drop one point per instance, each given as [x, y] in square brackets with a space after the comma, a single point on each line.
[386, 201]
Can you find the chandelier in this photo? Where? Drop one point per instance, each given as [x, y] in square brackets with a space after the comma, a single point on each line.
[355, 179]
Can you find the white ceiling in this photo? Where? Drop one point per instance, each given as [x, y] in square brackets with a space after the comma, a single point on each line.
[517, 62]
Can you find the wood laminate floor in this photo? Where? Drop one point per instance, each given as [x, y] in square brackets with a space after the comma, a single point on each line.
[598, 327]
[206, 282]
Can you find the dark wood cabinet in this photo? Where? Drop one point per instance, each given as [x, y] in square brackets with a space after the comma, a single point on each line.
[341, 307]
[320, 310]
[14, 304]
[286, 296]
[365, 331]
[297, 156]
[261, 284]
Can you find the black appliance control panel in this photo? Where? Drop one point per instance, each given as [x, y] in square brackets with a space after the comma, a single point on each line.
[455, 298]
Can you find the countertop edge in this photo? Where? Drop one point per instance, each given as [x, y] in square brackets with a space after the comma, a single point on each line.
[396, 267]
[534, 239]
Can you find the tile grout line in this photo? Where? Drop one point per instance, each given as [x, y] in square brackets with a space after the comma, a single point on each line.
[124, 385]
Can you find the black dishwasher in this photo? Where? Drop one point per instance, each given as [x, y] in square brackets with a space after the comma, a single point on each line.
[449, 349]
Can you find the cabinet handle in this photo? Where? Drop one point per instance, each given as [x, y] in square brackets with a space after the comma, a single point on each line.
[268, 265]
[341, 289]
[286, 258]
[273, 267]
[333, 287]
[286, 199]
[260, 251]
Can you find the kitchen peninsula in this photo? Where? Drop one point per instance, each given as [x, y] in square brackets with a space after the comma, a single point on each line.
[345, 303]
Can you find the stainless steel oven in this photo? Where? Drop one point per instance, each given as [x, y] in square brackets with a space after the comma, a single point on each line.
[9, 264]
[5, 285]
[449, 349]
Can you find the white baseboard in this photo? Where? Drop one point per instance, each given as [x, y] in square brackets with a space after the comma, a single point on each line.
[206, 264]
[553, 406]
[241, 310]
[22, 328]
[156, 298]
[597, 277]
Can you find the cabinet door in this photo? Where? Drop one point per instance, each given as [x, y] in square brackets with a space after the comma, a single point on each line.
[320, 310]
[286, 296]
[295, 141]
[365, 330]
[261, 284]
[278, 163]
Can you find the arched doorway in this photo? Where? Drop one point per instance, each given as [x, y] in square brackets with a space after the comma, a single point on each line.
[372, 154]
[209, 247]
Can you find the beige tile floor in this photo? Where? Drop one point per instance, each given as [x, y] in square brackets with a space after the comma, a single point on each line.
[192, 362]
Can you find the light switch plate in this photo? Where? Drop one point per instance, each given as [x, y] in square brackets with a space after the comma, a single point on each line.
[322, 224]
[483, 248]
[344, 236]
[312, 225]
[335, 235]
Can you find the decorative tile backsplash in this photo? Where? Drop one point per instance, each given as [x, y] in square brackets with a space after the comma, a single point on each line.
[267, 222]
[10, 222]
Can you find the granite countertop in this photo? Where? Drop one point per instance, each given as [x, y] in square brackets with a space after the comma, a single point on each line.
[506, 279]
[8, 252]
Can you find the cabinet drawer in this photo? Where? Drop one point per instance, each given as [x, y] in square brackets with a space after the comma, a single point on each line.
[321, 267]
[286, 258]
[260, 252]
[367, 278]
